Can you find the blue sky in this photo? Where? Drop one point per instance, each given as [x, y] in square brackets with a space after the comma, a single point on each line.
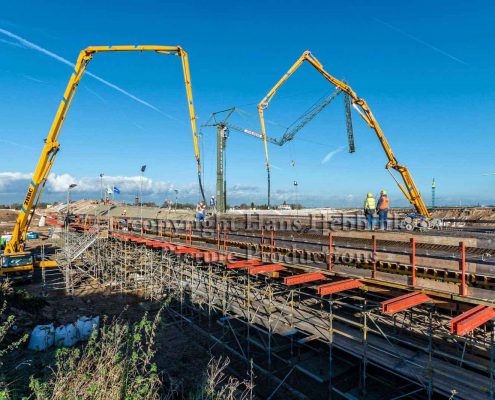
[425, 68]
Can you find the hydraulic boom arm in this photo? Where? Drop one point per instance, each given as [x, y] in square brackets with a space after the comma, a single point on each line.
[408, 188]
[51, 147]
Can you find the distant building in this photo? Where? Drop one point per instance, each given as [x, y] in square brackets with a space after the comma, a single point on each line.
[284, 207]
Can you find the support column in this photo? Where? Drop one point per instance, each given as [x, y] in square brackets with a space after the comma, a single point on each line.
[364, 365]
[330, 348]
[492, 360]
[430, 355]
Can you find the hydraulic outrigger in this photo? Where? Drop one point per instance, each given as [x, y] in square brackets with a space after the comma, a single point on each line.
[409, 188]
[15, 260]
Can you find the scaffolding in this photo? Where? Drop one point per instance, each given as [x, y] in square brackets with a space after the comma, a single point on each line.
[340, 345]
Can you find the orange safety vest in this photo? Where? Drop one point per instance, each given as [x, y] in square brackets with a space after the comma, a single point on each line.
[383, 202]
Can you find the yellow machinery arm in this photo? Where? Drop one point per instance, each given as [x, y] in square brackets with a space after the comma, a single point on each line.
[409, 188]
[51, 147]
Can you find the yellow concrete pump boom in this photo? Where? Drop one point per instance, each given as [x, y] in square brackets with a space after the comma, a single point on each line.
[409, 188]
[51, 147]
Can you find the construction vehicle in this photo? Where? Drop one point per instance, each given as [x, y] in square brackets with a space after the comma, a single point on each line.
[421, 218]
[15, 260]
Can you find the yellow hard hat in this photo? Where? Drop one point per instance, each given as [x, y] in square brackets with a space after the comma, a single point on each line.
[383, 191]
[370, 194]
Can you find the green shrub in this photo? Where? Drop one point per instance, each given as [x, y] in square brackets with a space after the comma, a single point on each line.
[117, 363]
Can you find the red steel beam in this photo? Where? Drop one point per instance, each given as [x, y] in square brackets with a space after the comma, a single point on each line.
[185, 250]
[260, 269]
[404, 302]
[405, 296]
[262, 241]
[330, 251]
[214, 257]
[471, 319]
[205, 255]
[339, 286]
[211, 256]
[162, 245]
[303, 278]
[464, 315]
[463, 269]
[413, 262]
[243, 264]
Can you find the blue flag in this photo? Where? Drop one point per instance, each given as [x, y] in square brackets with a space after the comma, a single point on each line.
[116, 190]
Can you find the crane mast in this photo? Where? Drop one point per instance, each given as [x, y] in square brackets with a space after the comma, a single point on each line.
[51, 146]
[408, 187]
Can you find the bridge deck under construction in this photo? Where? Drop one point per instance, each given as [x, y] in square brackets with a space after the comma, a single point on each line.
[308, 319]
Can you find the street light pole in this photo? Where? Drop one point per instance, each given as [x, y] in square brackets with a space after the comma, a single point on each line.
[71, 186]
[101, 186]
[297, 199]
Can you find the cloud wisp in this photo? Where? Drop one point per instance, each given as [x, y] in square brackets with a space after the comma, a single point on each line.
[9, 142]
[32, 78]
[331, 154]
[416, 39]
[33, 46]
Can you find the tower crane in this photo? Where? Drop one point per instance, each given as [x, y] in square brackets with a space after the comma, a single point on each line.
[221, 120]
[408, 188]
[15, 260]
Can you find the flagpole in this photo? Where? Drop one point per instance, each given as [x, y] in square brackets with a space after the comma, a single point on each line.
[101, 186]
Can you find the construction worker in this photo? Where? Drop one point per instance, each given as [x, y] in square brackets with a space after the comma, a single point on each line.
[213, 203]
[369, 209]
[200, 211]
[382, 209]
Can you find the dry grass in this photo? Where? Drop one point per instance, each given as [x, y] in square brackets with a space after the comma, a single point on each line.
[218, 385]
[6, 323]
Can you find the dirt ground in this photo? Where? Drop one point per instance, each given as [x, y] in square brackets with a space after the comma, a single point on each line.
[471, 213]
[475, 216]
[7, 220]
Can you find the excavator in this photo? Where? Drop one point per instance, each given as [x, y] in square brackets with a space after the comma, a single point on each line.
[421, 219]
[17, 262]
